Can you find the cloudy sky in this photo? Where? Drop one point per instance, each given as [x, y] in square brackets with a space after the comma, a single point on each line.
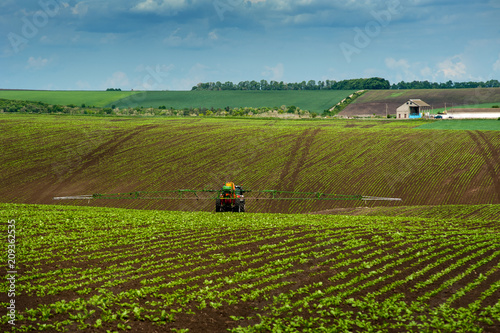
[174, 44]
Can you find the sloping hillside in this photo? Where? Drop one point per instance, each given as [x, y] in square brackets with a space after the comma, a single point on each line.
[47, 156]
[376, 101]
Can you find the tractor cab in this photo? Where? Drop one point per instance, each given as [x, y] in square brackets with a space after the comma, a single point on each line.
[230, 199]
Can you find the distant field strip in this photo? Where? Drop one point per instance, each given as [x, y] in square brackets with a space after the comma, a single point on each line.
[463, 124]
[314, 101]
[89, 98]
[311, 100]
[114, 269]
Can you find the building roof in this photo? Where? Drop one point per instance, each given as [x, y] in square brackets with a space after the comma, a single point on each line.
[419, 102]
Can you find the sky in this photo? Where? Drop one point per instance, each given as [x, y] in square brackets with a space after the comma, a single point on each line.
[175, 44]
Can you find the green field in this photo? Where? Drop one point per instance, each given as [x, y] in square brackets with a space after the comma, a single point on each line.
[313, 101]
[89, 98]
[463, 124]
[428, 263]
[114, 270]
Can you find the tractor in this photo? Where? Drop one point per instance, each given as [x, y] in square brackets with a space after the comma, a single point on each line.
[230, 199]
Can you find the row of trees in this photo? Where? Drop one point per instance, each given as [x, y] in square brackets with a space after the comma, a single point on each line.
[371, 83]
[446, 85]
[352, 84]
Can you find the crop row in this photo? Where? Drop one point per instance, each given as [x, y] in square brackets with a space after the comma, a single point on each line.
[264, 272]
[77, 155]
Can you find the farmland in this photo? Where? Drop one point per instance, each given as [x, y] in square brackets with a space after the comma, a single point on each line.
[464, 124]
[48, 156]
[313, 101]
[89, 98]
[375, 101]
[427, 263]
[98, 269]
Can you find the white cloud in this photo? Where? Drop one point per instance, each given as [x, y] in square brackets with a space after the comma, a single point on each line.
[117, 80]
[427, 73]
[37, 63]
[80, 9]
[170, 6]
[402, 69]
[452, 68]
[496, 65]
[274, 73]
[392, 63]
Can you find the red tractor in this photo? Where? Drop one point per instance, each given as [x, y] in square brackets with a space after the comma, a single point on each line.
[230, 199]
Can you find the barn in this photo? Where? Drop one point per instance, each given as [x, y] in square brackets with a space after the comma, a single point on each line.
[412, 109]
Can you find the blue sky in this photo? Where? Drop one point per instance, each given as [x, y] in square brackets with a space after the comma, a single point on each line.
[174, 44]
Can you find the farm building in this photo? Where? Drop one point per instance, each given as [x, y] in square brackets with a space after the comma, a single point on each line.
[412, 109]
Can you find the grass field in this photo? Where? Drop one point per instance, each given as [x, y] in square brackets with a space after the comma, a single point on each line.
[84, 269]
[314, 101]
[46, 156]
[463, 124]
[89, 98]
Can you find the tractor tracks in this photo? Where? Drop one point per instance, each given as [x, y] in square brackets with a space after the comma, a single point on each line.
[296, 160]
[295, 163]
[491, 156]
[103, 151]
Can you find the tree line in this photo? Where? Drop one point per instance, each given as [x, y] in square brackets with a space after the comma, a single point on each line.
[351, 84]
[445, 85]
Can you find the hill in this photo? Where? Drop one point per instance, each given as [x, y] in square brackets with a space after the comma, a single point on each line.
[376, 101]
[311, 100]
[46, 156]
[67, 97]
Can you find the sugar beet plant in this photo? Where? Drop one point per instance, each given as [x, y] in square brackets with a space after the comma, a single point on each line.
[102, 269]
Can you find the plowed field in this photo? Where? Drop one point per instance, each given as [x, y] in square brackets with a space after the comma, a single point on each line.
[377, 101]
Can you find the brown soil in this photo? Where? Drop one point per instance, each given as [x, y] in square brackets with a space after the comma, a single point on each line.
[375, 101]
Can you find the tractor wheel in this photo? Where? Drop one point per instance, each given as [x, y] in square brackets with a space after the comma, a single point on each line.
[237, 206]
[242, 207]
[217, 206]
